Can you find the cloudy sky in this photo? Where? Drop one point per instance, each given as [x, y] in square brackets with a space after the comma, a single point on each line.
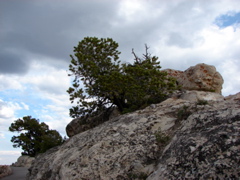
[37, 37]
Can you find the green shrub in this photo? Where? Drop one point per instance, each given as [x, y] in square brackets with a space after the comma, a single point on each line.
[140, 176]
[161, 138]
[202, 102]
[183, 113]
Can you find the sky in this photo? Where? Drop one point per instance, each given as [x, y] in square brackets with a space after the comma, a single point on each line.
[37, 37]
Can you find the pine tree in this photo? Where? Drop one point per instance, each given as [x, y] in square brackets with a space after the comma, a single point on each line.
[34, 137]
[100, 81]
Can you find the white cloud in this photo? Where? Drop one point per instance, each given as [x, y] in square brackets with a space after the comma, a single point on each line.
[218, 47]
[44, 97]
[10, 82]
[2, 136]
[51, 83]
[47, 79]
[7, 109]
[229, 70]
[25, 106]
[9, 152]
[136, 11]
[9, 157]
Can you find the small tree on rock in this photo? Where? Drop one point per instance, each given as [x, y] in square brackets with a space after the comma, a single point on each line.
[100, 81]
[35, 137]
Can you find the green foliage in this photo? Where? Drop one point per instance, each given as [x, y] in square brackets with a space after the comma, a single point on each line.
[107, 83]
[95, 65]
[146, 83]
[183, 113]
[35, 137]
[161, 137]
[202, 102]
[140, 176]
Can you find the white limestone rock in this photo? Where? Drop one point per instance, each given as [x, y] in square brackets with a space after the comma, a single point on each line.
[175, 139]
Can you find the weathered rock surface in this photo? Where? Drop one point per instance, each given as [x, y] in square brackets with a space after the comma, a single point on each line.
[5, 170]
[82, 124]
[24, 161]
[176, 139]
[201, 77]
[207, 146]
[196, 96]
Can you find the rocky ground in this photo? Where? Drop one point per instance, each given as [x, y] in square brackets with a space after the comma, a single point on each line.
[207, 145]
[5, 170]
[19, 173]
[194, 135]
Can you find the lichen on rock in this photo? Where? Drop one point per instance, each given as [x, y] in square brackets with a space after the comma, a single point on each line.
[204, 144]
[201, 77]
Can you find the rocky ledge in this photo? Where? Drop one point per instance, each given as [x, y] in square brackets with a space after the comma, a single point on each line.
[194, 135]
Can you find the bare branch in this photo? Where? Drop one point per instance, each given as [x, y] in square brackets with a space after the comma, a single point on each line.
[137, 59]
[146, 55]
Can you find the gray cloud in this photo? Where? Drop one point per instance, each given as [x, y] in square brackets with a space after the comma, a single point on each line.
[11, 63]
[178, 40]
[51, 29]
[46, 31]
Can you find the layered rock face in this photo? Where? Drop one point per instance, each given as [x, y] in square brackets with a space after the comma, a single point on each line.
[201, 77]
[194, 135]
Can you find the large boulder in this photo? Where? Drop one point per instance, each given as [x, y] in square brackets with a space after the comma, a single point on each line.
[201, 77]
[175, 139]
[24, 161]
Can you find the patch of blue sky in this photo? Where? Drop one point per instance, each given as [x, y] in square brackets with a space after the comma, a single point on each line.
[6, 141]
[229, 19]
[29, 103]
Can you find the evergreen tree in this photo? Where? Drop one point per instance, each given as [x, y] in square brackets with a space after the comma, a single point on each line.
[100, 81]
[35, 137]
[146, 83]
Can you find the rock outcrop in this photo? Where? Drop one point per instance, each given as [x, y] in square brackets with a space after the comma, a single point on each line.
[24, 161]
[207, 146]
[201, 77]
[5, 171]
[180, 138]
